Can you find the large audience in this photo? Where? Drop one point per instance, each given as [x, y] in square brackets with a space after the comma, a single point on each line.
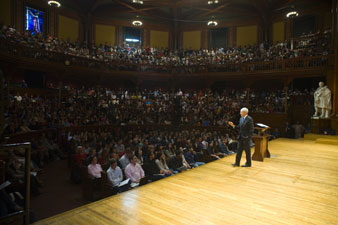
[104, 106]
[129, 154]
[124, 57]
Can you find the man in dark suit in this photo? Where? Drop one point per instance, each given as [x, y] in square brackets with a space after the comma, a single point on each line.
[246, 127]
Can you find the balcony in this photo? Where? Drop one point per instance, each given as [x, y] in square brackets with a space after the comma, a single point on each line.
[21, 56]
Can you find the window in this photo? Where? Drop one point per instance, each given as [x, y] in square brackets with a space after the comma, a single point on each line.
[34, 20]
[132, 36]
[304, 25]
[218, 38]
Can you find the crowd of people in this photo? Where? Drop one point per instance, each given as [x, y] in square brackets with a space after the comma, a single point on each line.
[104, 106]
[44, 149]
[127, 58]
[151, 154]
[268, 101]
[130, 156]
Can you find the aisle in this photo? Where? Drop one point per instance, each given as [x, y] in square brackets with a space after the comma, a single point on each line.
[57, 194]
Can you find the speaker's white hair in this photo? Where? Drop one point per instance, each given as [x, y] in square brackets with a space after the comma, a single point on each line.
[246, 110]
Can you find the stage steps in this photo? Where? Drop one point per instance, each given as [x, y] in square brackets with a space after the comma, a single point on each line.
[322, 139]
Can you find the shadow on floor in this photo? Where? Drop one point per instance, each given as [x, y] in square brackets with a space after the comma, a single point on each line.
[58, 194]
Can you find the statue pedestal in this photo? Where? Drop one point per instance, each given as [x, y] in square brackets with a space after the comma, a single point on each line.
[319, 124]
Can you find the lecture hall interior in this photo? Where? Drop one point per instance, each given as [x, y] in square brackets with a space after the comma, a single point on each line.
[168, 112]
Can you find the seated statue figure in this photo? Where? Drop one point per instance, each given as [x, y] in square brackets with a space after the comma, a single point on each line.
[322, 101]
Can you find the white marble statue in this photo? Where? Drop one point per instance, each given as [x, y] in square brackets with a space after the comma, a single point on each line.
[322, 97]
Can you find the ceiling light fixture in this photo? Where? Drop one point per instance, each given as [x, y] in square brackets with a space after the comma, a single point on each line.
[212, 2]
[138, 2]
[292, 14]
[54, 3]
[137, 23]
[212, 23]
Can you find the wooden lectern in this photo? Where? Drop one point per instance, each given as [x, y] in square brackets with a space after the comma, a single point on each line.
[261, 145]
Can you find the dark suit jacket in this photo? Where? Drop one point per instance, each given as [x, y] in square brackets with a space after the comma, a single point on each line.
[247, 128]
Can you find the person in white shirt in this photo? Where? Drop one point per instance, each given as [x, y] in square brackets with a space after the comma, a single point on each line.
[162, 164]
[115, 177]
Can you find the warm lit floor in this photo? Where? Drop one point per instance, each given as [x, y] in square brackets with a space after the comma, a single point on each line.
[298, 185]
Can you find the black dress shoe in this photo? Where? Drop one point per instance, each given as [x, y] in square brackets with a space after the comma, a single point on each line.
[235, 165]
[246, 165]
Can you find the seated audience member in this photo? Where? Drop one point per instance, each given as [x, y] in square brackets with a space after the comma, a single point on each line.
[275, 134]
[189, 156]
[215, 145]
[184, 161]
[213, 152]
[162, 163]
[79, 159]
[104, 158]
[94, 169]
[233, 144]
[170, 151]
[151, 168]
[198, 149]
[120, 147]
[92, 153]
[299, 130]
[134, 171]
[124, 160]
[15, 172]
[7, 205]
[115, 177]
[289, 131]
[80, 156]
[86, 148]
[139, 156]
[115, 156]
[222, 144]
[176, 162]
[52, 148]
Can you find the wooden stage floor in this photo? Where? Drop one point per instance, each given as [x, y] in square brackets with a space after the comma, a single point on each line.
[298, 185]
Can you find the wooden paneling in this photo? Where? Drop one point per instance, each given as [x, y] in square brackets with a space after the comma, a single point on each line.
[205, 39]
[68, 28]
[298, 185]
[159, 39]
[52, 23]
[192, 40]
[19, 5]
[5, 12]
[232, 37]
[278, 31]
[327, 21]
[104, 34]
[247, 35]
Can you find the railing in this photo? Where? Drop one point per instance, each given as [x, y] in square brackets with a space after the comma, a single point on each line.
[24, 214]
[22, 51]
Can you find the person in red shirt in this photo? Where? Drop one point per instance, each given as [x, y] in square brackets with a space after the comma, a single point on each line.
[80, 156]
